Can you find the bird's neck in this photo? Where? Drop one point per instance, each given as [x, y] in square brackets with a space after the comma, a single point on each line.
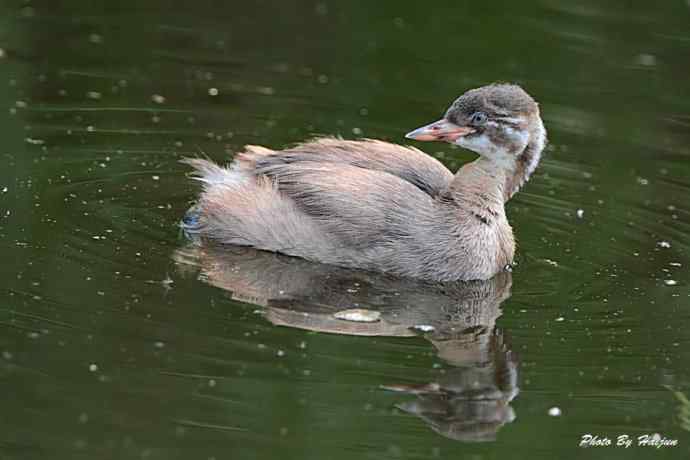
[479, 184]
[526, 163]
[486, 177]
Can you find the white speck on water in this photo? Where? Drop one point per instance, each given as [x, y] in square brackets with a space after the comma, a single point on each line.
[555, 412]
[358, 315]
[280, 353]
[83, 417]
[323, 79]
[21, 104]
[675, 264]
[580, 213]
[94, 95]
[551, 262]
[303, 344]
[90, 129]
[2, 53]
[642, 181]
[322, 9]
[357, 131]
[96, 39]
[664, 244]
[7, 355]
[158, 99]
[32, 141]
[159, 344]
[559, 319]
[424, 327]
[265, 90]
[93, 367]
[155, 177]
[648, 60]
[670, 282]
[211, 383]
[213, 92]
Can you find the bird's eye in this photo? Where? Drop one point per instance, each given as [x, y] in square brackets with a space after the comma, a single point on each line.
[479, 118]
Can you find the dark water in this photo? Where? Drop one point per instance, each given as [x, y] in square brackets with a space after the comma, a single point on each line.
[118, 341]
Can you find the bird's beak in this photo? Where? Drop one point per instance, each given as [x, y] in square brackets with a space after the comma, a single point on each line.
[441, 130]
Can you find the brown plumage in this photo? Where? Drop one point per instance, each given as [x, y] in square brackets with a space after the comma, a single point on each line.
[378, 206]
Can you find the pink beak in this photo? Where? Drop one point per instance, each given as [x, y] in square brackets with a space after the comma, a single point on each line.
[441, 130]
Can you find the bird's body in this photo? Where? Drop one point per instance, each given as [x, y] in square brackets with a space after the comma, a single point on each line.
[365, 204]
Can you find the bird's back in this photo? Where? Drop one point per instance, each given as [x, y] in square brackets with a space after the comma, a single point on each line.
[403, 162]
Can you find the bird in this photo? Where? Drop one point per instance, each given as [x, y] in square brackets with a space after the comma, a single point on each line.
[373, 205]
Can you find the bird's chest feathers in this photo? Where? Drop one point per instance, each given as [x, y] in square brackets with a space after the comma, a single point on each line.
[484, 233]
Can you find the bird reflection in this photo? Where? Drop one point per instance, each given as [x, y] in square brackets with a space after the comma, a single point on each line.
[469, 402]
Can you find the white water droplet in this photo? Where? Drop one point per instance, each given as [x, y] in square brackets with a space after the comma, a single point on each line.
[359, 315]
[647, 60]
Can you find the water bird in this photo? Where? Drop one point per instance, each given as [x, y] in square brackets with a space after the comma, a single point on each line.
[374, 205]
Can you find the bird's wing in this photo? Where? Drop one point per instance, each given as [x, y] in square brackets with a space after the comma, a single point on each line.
[360, 206]
[406, 163]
